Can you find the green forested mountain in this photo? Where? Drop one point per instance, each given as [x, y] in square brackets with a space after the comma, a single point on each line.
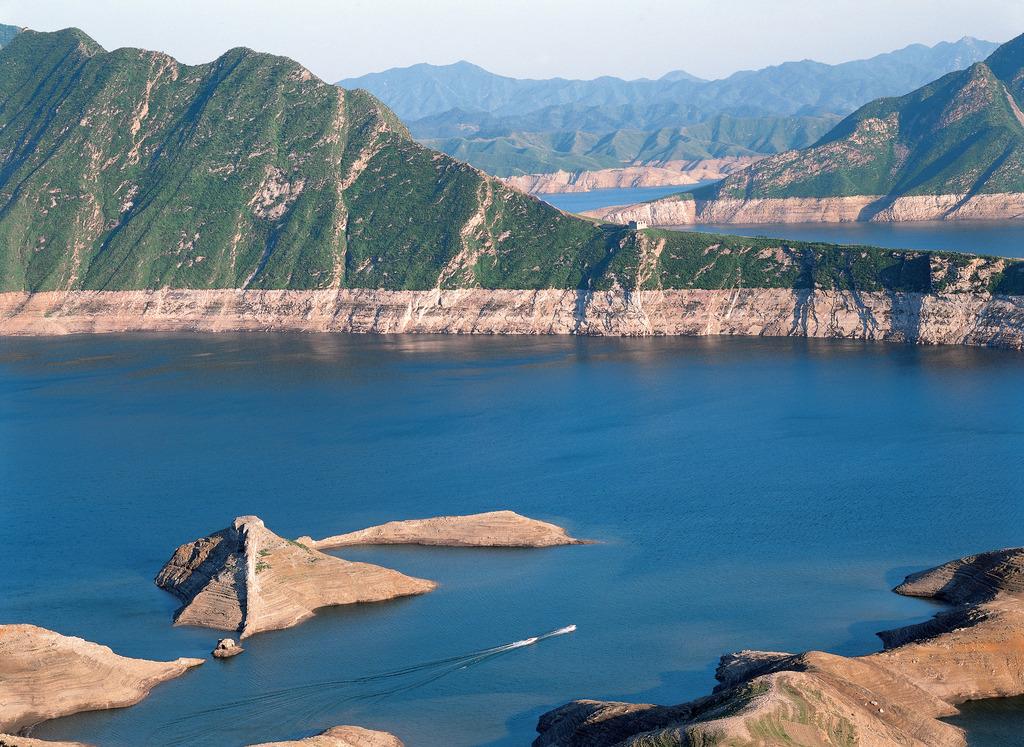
[962, 134]
[718, 137]
[127, 170]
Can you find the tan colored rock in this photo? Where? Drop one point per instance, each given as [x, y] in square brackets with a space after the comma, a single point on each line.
[226, 648]
[673, 211]
[342, 736]
[663, 174]
[10, 740]
[44, 675]
[491, 529]
[967, 318]
[895, 697]
[247, 578]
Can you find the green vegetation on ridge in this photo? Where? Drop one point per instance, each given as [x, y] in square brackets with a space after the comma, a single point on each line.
[542, 152]
[962, 134]
[127, 170]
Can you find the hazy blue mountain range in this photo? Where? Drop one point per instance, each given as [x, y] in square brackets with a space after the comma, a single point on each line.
[790, 88]
[511, 126]
[7, 33]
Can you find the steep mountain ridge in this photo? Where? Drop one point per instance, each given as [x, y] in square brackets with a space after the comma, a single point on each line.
[139, 193]
[951, 149]
[963, 133]
[126, 169]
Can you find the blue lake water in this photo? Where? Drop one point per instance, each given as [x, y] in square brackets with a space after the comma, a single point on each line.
[746, 493]
[578, 202]
[1000, 238]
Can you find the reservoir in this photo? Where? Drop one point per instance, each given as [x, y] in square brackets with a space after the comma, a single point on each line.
[744, 493]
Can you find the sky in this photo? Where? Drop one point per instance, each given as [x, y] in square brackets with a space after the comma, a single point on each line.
[527, 38]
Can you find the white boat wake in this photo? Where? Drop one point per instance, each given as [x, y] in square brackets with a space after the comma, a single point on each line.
[308, 698]
[537, 638]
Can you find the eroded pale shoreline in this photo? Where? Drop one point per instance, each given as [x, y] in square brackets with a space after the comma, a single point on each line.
[673, 211]
[45, 675]
[490, 529]
[953, 318]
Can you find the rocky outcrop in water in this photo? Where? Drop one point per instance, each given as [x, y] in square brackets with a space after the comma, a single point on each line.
[246, 578]
[953, 318]
[491, 529]
[897, 696]
[44, 675]
[342, 736]
[226, 648]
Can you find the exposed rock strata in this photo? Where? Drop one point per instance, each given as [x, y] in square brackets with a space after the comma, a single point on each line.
[896, 696]
[9, 740]
[955, 318]
[668, 173]
[671, 211]
[491, 529]
[342, 736]
[247, 578]
[44, 675]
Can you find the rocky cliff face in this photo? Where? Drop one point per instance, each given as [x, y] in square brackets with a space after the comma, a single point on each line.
[953, 318]
[973, 651]
[246, 578]
[44, 675]
[674, 211]
[647, 175]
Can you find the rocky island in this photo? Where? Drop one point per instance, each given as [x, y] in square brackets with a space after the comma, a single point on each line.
[246, 578]
[45, 675]
[897, 696]
[491, 529]
[246, 194]
[342, 736]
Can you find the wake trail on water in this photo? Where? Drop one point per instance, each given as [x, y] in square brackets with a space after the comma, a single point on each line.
[275, 700]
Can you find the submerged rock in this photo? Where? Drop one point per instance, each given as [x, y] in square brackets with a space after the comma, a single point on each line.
[490, 529]
[342, 736]
[896, 696]
[226, 648]
[248, 579]
[44, 675]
